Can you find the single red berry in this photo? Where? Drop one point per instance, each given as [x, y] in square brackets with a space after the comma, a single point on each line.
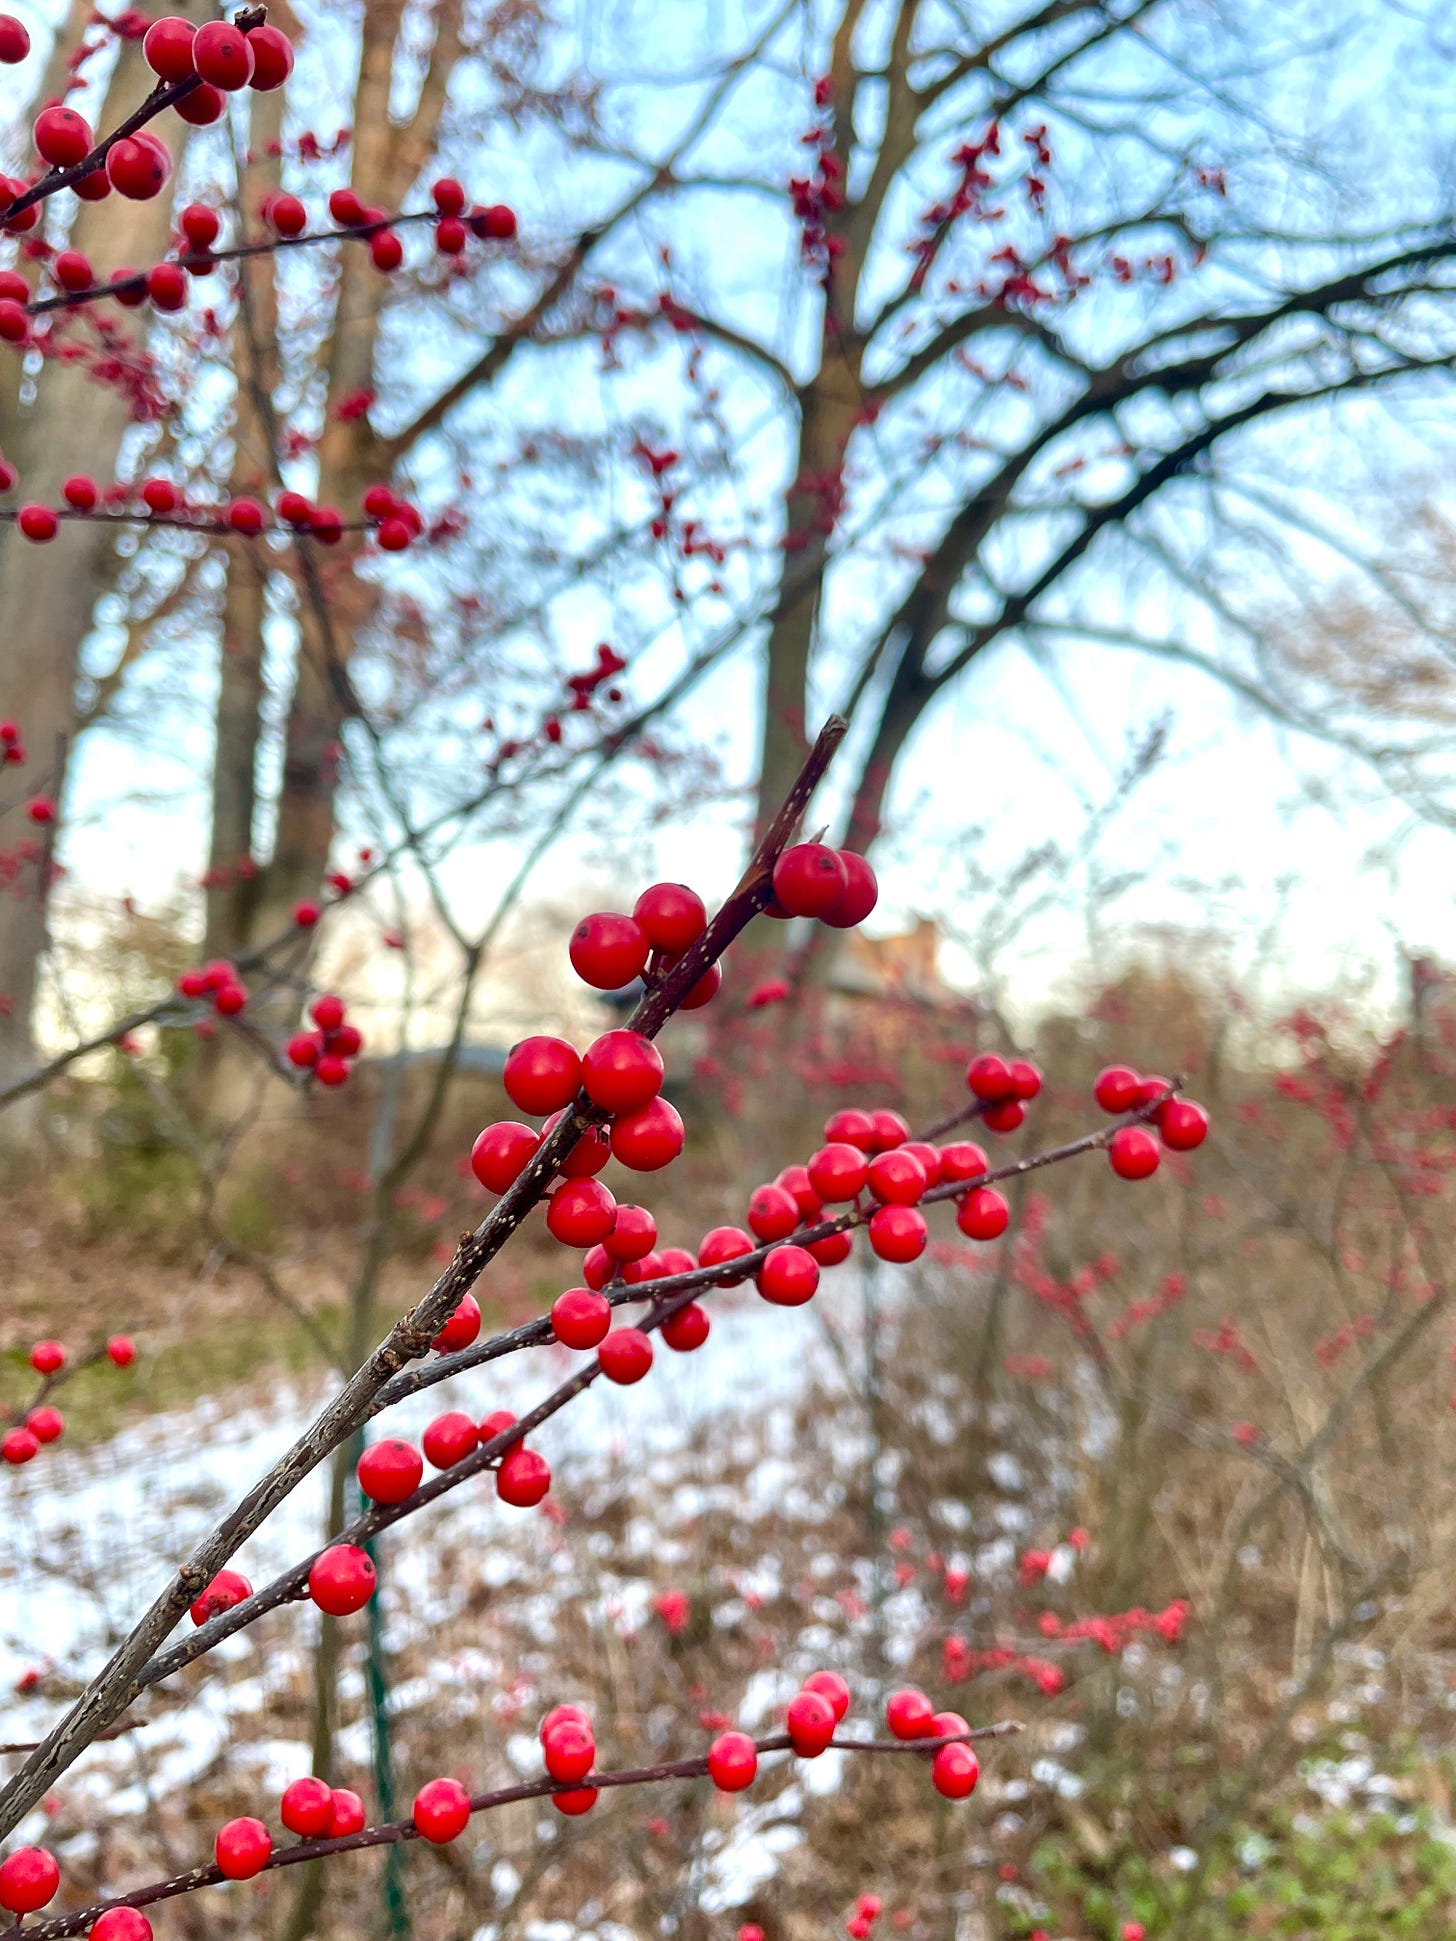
[569, 1750]
[897, 1178]
[562, 1715]
[622, 1071]
[608, 950]
[306, 914]
[1004, 1116]
[1153, 1086]
[541, 1074]
[810, 1724]
[46, 1424]
[221, 55]
[326, 523]
[73, 271]
[286, 214]
[789, 1277]
[832, 1251]
[732, 1761]
[929, 1157]
[331, 1069]
[989, 1077]
[636, 1272]
[861, 893]
[810, 879]
[62, 137]
[898, 1233]
[121, 1924]
[205, 105]
[18, 1446]
[448, 196]
[795, 1181]
[889, 1130]
[523, 1478]
[687, 1329]
[1133, 1931]
[838, 1172]
[588, 1156]
[501, 1153]
[246, 516]
[1025, 1078]
[1183, 1125]
[167, 286]
[242, 1848]
[773, 1213]
[121, 1350]
[450, 235]
[389, 1471]
[580, 1213]
[346, 208]
[167, 48]
[963, 1159]
[634, 1236]
[625, 1356]
[307, 1808]
[946, 1724]
[135, 169]
[349, 1815]
[272, 57]
[386, 251]
[908, 1713]
[704, 991]
[449, 1439]
[14, 40]
[1133, 1152]
[598, 1267]
[14, 329]
[982, 1214]
[648, 1139]
[327, 1011]
[724, 1244]
[496, 224]
[954, 1772]
[342, 1577]
[38, 523]
[229, 1000]
[41, 809]
[441, 1811]
[830, 1685]
[850, 1127]
[580, 1318]
[581, 1799]
[46, 1357]
[80, 492]
[672, 916]
[1117, 1088]
[461, 1329]
[29, 1878]
[495, 1424]
[294, 509]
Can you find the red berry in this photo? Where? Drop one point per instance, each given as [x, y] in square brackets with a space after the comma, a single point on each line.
[581, 1799]
[327, 1011]
[38, 523]
[229, 1000]
[773, 1213]
[810, 879]
[202, 107]
[286, 214]
[495, 224]
[495, 1424]
[788, 1277]
[272, 57]
[1133, 1152]
[633, 1237]
[580, 1318]
[672, 916]
[166, 286]
[80, 492]
[346, 208]
[167, 48]
[523, 1478]
[569, 1751]
[441, 1811]
[342, 1578]
[228, 1588]
[954, 1772]
[41, 809]
[18, 1446]
[625, 1356]
[704, 991]
[732, 1760]
[302, 1050]
[1183, 1125]
[1117, 1088]
[810, 1724]
[588, 1156]
[898, 1233]
[461, 1329]
[62, 137]
[501, 1153]
[46, 1357]
[598, 1268]
[963, 1159]
[386, 251]
[541, 1074]
[648, 1139]
[560, 1715]
[294, 509]
[832, 1251]
[580, 1213]
[850, 1127]
[687, 1329]
[622, 1071]
[982, 1214]
[795, 1181]
[307, 1808]
[636, 1272]
[14, 329]
[897, 1178]
[349, 1815]
[450, 235]
[889, 1130]
[1004, 1116]
[14, 41]
[28, 1879]
[73, 271]
[724, 1244]
[221, 55]
[242, 1848]
[46, 1424]
[989, 1077]
[331, 1069]
[908, 1713]
[246, 516]
[121, 1924]
[449, 1439]
[861, 893]
[122, 1350]
[830, 1685]
[929, 1157]
[1152, 1086]
[838, 1172]
[137, 169]
[1025, 1078]
[389, 1471]
[448, 196]
[608, 950]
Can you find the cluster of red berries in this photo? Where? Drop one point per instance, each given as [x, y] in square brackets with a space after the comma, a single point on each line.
[219, 981]
[45, 1423]
[1004, 1088]
[341, 1580]
[390, 1470]
[1134, 1152]
[327, 1050]
[310, 1807]
[12, 744]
